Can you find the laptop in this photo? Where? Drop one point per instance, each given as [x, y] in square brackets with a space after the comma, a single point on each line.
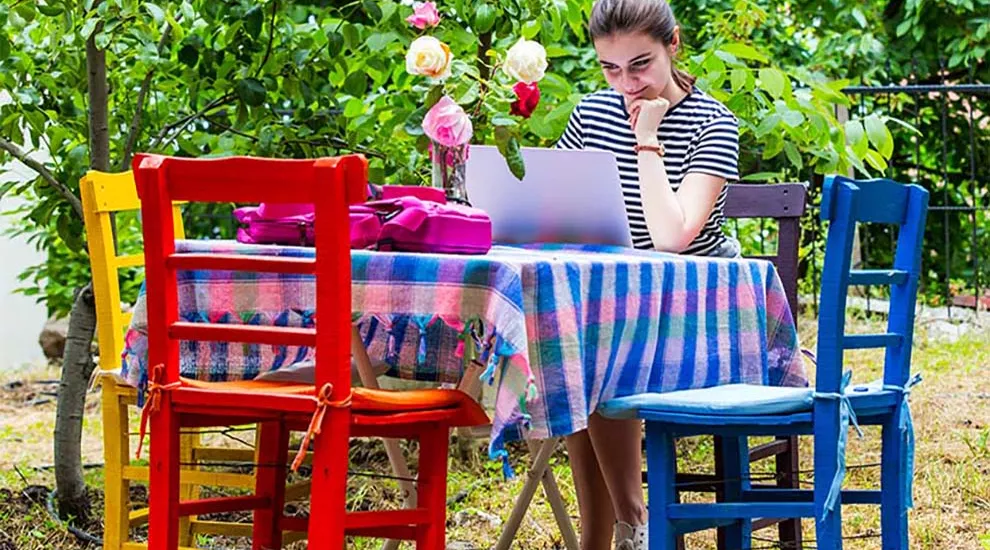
[567, 196]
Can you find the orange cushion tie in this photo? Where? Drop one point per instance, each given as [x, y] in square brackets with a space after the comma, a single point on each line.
[323, 403]
[154, 400]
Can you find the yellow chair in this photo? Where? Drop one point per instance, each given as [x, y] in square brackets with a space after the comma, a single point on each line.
[102, 196]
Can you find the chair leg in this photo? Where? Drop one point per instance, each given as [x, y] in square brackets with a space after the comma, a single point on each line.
[788, 467]
[432, 487]
[828, 531]
[116, 455]
[893, 506]
[269, 481]
[734, 453]
[328, 497]
[187, 491]
[661, 460]
[163, 483]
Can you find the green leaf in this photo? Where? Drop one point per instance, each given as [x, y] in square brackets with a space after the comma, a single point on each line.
[767, 125]
[251, 91]
[335, 43]
[879, 135]
[859, 17]
[356, 83]
[502, 119]
[4, 47]
[378, 41]
[50, 11]
[903, 28]
[6, 187]
[414, 124]
[874, 159]
[856, 137]
[253, 19]
[508, 146]
[531, 28]
[354, 107]
[433, 96]
[738, 79]
[762, 176]
[69, 235]
[744, 51]
[156, 12]
[793, 155]
[484, 17]
[371, 8]
[773, 81]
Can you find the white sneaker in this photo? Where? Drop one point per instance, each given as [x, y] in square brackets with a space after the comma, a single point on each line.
[631, 537]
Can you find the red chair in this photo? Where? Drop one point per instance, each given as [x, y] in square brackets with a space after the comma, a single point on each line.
[330, 412]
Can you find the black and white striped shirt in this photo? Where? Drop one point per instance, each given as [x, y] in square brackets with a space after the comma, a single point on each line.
[699, 135]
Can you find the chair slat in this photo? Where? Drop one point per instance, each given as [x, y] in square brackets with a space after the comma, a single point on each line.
[130, 260]
[251, 334]
[869, 341]
[877, 277]
[234, 262]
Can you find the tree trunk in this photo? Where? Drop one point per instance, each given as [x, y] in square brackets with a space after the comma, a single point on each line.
[77, 368]
[78, 365]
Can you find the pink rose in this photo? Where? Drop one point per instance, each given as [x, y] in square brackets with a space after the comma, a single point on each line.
[447, 124]
[424, 15]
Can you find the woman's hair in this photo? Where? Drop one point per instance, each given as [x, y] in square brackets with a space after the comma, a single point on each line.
[652, 17]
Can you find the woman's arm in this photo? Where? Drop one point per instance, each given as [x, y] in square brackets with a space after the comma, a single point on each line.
[674, 219]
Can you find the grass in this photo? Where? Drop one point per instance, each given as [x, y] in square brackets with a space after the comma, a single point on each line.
[952, 484]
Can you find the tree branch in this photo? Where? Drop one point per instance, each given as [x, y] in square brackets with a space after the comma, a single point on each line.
[58, 186]
[180, 125]
[135, 129]
[334, 142]
[271, 40]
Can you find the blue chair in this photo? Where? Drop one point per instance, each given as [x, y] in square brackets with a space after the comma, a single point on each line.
[826, 411]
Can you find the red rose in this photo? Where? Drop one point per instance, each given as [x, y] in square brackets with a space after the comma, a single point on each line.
[528, 98]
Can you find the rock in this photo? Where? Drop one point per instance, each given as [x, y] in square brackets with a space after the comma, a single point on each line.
[52, 338]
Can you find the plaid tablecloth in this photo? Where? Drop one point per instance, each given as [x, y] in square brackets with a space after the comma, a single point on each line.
[561, 328]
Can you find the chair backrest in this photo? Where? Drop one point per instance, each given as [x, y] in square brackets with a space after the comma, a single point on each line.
[329, 183]
[785, 203]
[846, 202]
[104, 195]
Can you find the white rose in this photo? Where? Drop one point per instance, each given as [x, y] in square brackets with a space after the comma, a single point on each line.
[428, 56]
[526, 61]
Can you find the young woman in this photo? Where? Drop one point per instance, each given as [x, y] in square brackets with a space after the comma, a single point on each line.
[676, 148]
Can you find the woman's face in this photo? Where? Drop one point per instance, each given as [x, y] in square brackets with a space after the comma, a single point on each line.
[636, 65]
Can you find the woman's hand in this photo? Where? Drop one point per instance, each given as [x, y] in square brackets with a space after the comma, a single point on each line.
[645, 116]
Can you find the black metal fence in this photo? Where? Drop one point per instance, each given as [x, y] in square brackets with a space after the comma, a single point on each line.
[944, 146]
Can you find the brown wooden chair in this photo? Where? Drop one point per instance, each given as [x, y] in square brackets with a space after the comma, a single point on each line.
[785, 203]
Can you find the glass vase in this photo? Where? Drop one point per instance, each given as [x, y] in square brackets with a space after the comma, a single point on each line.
[450, 170]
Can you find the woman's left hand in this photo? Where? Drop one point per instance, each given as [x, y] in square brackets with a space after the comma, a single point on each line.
[645, 116]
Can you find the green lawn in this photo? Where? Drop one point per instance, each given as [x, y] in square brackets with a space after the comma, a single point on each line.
[952, 488]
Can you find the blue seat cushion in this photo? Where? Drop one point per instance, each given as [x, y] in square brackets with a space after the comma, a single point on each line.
[730, 399]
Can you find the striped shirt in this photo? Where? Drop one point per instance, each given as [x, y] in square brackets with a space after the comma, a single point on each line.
[699, 134]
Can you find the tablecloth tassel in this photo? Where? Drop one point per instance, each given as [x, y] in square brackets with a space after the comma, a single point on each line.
[421, 351]
[507, 472]
[489, 374]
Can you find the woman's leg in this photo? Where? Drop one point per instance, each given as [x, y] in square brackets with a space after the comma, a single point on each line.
[594, 504]
[618, 447]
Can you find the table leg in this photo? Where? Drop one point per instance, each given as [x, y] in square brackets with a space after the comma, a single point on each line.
[392, 449]
[537, 470]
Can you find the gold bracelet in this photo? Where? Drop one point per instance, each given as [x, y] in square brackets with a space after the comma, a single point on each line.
[658, 149]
